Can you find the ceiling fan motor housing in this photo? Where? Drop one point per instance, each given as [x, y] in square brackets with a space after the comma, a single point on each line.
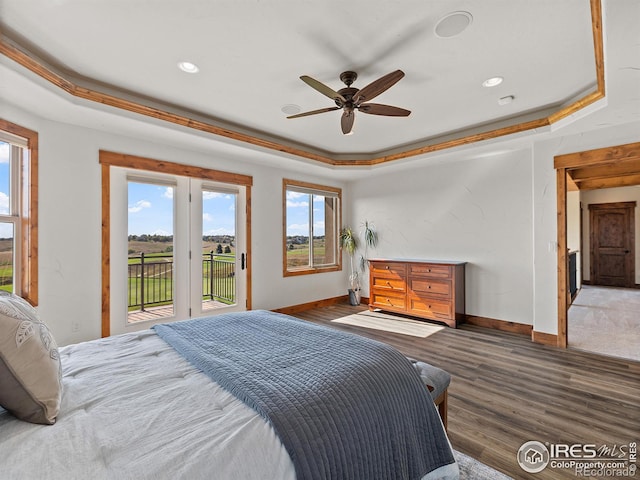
[348, 94]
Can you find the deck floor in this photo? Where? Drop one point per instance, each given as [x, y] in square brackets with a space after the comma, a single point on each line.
[166, 311]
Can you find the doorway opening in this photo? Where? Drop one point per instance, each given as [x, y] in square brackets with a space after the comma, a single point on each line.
[597, 194]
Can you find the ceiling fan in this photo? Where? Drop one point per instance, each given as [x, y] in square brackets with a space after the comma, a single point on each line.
[350, 99]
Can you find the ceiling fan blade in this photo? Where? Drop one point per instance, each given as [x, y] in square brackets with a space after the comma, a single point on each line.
[322, 88]
[313, 112]
[387, 110]
[346, 122]
[378, 86]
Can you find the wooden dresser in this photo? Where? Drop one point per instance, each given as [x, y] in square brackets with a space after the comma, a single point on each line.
[432, 289]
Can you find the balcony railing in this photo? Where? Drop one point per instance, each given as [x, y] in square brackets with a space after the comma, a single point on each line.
[151, 279]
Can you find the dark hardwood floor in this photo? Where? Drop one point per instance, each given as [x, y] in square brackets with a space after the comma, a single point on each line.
[506, 390]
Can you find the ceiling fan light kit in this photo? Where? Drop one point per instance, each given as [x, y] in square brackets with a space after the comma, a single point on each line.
[350, 99]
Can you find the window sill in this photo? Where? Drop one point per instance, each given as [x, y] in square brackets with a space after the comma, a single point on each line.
[311, 270]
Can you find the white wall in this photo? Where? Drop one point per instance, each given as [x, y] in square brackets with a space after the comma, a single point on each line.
[70, 225]
[497, 213]
[545, 211]
[475, 210]
[573, 230]
[609, 195]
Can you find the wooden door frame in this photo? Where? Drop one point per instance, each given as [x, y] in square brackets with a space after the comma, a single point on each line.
[564, 164]
[112, 159]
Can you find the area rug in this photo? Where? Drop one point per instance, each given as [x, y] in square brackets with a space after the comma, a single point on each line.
[472, 469]
[390, 323]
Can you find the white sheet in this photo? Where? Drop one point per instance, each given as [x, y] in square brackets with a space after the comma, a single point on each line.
[133, 408]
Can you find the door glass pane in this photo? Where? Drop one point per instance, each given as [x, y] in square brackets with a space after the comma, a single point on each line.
[324, 228]
[297, 218]
[6, 256]
[5, 170]
[218, 249]
[150, 255]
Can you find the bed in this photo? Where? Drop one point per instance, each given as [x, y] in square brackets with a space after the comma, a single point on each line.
[133, 407]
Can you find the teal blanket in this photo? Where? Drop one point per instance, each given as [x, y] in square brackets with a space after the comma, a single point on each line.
[344, 406]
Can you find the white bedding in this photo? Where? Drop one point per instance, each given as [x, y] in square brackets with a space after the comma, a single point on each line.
[133, 408]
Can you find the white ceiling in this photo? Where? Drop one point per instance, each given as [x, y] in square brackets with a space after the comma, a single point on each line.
[251, 54]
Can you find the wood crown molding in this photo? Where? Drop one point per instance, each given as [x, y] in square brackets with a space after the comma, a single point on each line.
[18, 54]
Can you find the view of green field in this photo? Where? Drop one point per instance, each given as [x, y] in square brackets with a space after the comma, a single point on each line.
[218, 280]
[298, 253]
[6, 264]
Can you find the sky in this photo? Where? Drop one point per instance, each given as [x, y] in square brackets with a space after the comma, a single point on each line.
[6, 230]
[151, 208]
[151, 211]
[298, 214]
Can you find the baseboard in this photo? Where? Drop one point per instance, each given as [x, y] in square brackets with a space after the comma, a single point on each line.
[544, 338]
[588, 282]
[505, 326]
[316, 304]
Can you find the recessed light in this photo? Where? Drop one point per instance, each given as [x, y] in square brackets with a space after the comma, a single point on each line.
[188, 67]
[492, 82]
[453, 24]
[506, 100]
[290, 109]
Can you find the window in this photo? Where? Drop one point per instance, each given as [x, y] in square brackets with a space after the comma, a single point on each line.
[18, 211]
[311, 226]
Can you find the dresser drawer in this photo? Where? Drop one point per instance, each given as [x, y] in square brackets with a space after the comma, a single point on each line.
[382, 300]
[388, 269]
[430, 269]
[421, 286]
[431, 308]
[391, 284]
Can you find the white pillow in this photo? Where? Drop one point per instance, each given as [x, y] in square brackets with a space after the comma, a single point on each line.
[30, 370]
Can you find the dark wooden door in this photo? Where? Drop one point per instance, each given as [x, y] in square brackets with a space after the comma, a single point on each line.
[612, 244]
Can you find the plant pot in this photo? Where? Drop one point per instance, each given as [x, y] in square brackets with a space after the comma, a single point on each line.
[354, 297]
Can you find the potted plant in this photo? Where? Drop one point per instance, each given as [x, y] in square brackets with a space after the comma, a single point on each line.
[350, 242]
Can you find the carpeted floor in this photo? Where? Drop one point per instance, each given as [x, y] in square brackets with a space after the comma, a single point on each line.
[606, 320]
[471, 469]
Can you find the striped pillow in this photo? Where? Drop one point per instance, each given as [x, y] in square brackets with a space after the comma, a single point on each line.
[30, 370]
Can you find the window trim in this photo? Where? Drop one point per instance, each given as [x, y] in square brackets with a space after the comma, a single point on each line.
[28, 210]
[315, 189]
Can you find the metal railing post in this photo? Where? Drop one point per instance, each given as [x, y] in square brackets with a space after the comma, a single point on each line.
[211, 274]
[142, 281]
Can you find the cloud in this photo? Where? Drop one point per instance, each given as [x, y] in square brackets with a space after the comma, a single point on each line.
[139, 205]
[207, 217]
[163, 233]
[4, 203]
[297, 204]
[168, 192]
[4, 152]
[208, 195]
[219, 231]
[292, 199]
[298, 229]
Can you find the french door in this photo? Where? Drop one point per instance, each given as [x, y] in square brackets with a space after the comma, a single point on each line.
[178, 248]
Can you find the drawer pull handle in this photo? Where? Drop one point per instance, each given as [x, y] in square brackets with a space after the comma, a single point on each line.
[386, 267]
[389, 283]
[429, 286]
